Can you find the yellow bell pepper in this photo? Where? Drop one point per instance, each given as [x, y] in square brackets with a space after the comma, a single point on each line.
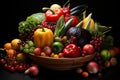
[43, 37]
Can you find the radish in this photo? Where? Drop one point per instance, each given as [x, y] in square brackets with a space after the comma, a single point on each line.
[33, 70]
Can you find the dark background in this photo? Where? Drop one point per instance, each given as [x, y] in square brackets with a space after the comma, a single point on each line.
[14, 11]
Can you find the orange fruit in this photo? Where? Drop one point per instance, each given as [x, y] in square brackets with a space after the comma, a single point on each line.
[85, 74]
[11, 52]
[15, 43]
[7, 46]
[21, 56]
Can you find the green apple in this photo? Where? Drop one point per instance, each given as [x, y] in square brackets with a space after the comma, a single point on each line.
[105, 54]
[57, 47]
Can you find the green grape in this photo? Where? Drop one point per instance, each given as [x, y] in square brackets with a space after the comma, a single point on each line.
[31, 49]
[21, 47]
[26, 46]
[30, 43]
[25, 50]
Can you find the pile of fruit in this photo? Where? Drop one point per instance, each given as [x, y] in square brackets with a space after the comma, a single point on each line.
[61, 32]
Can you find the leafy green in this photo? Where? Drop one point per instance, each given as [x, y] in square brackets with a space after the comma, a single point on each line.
[30, 23]
[65, 27]
[36, 18]
[59, 25]
[108, 42]
[102, 28]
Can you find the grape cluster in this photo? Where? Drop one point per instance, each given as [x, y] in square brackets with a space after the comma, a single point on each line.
[27, 47]
[97, 42]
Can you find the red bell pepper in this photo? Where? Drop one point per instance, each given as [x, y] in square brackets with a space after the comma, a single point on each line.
[52, 15]
[71, 50]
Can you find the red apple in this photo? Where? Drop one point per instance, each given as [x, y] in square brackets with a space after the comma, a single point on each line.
[47, 50]
[37, 51]
[88, 48]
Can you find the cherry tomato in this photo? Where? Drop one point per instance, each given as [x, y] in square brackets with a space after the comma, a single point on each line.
[15, 63]
[12, 69]
[2, 61]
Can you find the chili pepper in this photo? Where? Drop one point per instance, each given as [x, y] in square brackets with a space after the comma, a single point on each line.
[49, 25]
[71, 50]
[43, 37]
[52, 15]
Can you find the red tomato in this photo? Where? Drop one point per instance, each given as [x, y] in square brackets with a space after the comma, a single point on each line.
[75, 20]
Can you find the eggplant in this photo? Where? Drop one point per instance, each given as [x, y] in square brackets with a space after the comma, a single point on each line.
[82, 35]
[74, 31]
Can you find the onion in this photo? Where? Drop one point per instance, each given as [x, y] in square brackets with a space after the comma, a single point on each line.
[33, 70]
[92, 67]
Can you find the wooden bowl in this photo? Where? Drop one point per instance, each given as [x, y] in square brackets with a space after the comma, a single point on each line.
[60, 63]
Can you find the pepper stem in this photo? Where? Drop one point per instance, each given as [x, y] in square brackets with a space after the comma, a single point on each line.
[46, 8]
[43, 30]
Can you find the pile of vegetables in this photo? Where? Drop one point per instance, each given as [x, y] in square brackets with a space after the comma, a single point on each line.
[62, 31]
